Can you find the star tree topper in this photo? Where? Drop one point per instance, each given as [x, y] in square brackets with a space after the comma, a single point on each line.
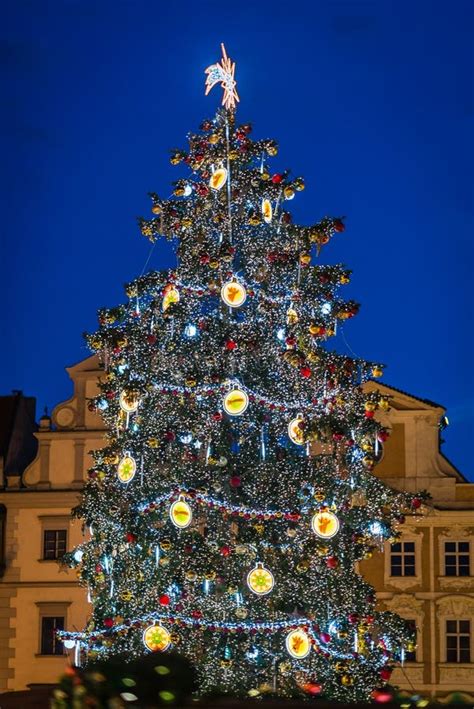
[223, 72]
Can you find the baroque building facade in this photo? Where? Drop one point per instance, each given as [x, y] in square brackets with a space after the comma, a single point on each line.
[427, 577]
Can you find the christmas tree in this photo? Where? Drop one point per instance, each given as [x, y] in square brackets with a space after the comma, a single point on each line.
[235, 492]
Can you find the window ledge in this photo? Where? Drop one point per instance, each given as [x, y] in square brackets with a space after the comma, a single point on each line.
[49, 561]
[62, 656]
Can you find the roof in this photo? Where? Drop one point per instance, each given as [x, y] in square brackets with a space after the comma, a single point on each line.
[428, 402]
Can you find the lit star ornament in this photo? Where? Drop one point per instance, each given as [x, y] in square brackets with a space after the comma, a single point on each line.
[223, 72]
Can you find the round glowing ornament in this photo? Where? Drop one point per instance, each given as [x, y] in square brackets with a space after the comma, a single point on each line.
[233, 294]
[170, 295]
[298, 644]
[129, 401]
[235, 402]
[296, 431]
[267, 211]
[325, 524]
[218, 179]
[260, 580]
[181, 514]
[156, 638]
[126, 469]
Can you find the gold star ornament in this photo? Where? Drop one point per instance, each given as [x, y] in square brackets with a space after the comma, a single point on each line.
[223, 72]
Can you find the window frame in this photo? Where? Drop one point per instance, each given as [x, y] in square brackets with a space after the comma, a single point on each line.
[404, 582]
[53, 523]
[457, 634]
[51, 609]
[57, 556]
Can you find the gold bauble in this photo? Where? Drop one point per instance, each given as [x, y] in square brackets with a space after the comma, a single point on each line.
[210, 575]
[165, 544]
[377, 371]
[347, 680]
[241, 612]
[213, 138]
[190, 575]
[164, 561]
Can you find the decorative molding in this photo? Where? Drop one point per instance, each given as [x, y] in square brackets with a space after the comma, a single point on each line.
[456, 583]
[461, 607]
[456, 532]
[408, 676]
[406, 605]
[403, 582]
[455, 673]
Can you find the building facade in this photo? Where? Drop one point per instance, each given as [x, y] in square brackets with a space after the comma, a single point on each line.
[427, 577]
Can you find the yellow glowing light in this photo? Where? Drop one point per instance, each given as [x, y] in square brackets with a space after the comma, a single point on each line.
[260, 580]
[223, 72]
[233, 294]
[296, 432]
[129, 401]
[171, 295]
[126, 469]
[218, 179]
[325, 524]
[267, 211]
[298, 644]
[181, 514]
[156, 638]
[235, 402]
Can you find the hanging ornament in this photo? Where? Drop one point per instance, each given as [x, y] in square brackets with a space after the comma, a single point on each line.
[129, 401]
[156, 638]
[292, 316]
[218, 179]
[296, 430]
[126, 469]
[233, 293]
[235, 402]
[298, 644]
[170, 295]
[260, 580]
[180, 513]
[267, 211]
[325, 524]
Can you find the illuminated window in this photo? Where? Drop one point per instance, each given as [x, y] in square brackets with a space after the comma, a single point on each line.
[457, 559]
[402, 559]
[458, 641]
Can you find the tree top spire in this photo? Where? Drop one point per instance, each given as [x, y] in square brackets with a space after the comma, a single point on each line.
[223, 72]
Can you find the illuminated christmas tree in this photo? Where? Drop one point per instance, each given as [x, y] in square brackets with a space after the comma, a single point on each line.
[235, 492]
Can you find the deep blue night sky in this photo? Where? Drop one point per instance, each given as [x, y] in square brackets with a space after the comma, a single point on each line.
[371, 101]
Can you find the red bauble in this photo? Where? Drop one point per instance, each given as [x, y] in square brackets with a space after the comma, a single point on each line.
[130, 538]
[205, 258]
[290, 341]
[225, 550]
[305, 372]
[332, 562]
[339, 225]
[108, 622]
[217, 416]
[151, 339]
[312, 688]
[170, 436]
[325, 637]
[230, 345]
[164, 600]
[385, 673]
[235, 481]
[416, 503]
[276, 179]
[353, 618]
[382, 696]
[369, 414]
